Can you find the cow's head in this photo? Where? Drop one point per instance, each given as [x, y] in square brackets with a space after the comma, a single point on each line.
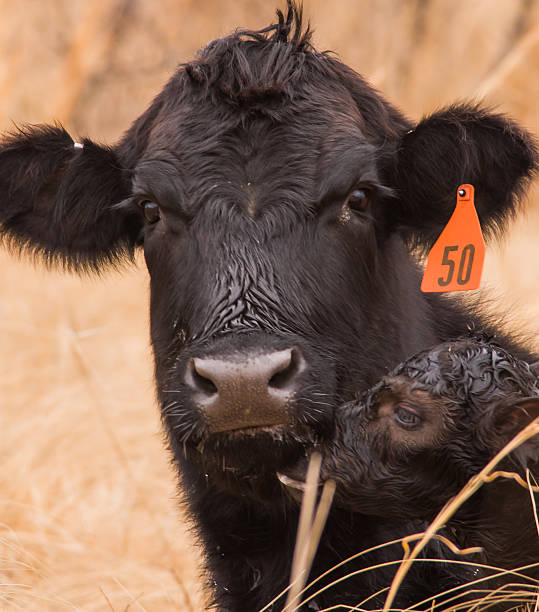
[273, 192]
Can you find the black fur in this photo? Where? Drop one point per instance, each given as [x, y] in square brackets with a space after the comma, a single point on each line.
[57, 200]
[251, 151]
[471, 398]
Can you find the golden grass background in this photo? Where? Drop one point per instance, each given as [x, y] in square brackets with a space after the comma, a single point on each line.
[89, 513]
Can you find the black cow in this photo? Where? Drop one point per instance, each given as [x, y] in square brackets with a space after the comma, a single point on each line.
[276, 197]
[415, 439]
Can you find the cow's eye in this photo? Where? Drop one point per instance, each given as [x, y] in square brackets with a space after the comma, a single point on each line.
[150, 210]
[358, 199]
[406, 417]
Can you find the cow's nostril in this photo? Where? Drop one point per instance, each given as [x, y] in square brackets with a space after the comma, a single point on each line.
[286, 376]
[198, 379]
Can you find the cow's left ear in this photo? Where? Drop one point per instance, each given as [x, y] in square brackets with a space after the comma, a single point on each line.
[503, 422]
[57, 199]
[460, 144]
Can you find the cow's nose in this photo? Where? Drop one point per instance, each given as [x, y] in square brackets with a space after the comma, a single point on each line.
[242, 391]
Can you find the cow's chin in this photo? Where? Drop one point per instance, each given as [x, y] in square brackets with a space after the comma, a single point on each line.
[247, 460]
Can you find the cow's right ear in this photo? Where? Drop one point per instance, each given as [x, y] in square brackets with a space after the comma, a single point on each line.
[57, 199]
[456, 145]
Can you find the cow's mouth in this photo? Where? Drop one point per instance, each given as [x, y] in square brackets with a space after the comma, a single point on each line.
[294, 478]
[277, 432]
[250, 406]
[291, 483]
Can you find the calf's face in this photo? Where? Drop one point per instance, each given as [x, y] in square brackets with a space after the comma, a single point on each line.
[422, 432]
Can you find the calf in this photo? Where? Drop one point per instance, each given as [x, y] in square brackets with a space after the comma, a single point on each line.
[279, 201]
[416, 437]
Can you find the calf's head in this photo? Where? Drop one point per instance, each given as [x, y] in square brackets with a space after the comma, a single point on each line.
[415, 439]
[273, 192]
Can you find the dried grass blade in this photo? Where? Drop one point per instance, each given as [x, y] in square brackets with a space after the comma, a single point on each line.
[532, 489]
[319, 522]
[514, 476]
[306, 547]
[304, 528]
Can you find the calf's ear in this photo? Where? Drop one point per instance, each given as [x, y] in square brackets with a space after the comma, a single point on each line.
[501, 424]
[57, 199]
[460, 144]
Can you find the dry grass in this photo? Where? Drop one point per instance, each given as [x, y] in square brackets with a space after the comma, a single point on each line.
[89, 518]
[88, 511]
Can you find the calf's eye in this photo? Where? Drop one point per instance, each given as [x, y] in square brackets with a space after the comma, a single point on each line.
[358, 199]
[405, 417]
[151, 211]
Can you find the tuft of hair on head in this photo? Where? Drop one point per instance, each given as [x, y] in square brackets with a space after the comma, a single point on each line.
[255, 65]
[288, 30]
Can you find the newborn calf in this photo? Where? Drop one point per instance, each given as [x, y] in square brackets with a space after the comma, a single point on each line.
[417, 437]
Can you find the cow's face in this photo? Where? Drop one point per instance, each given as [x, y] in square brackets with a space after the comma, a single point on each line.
[271, 189]
[261, 236]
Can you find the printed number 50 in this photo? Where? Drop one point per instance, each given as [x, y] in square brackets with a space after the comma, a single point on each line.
[465, 265]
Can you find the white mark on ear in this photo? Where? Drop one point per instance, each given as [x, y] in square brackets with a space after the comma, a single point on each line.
[78, 145]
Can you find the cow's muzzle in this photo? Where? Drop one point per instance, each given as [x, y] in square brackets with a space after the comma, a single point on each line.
[245, 390]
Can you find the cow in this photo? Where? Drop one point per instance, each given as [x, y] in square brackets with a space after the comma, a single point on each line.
[413, 440]
[280, 202]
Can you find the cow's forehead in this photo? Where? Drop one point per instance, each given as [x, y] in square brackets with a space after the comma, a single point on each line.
[310, 141]
[319, 111]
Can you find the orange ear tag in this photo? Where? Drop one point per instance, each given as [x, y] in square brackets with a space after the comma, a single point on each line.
[455, 262]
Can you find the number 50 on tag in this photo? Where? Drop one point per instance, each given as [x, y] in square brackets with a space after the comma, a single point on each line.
[455, 262]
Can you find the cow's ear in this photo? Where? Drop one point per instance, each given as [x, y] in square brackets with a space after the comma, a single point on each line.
[57, 199]
[460, 144]
[500, 424]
